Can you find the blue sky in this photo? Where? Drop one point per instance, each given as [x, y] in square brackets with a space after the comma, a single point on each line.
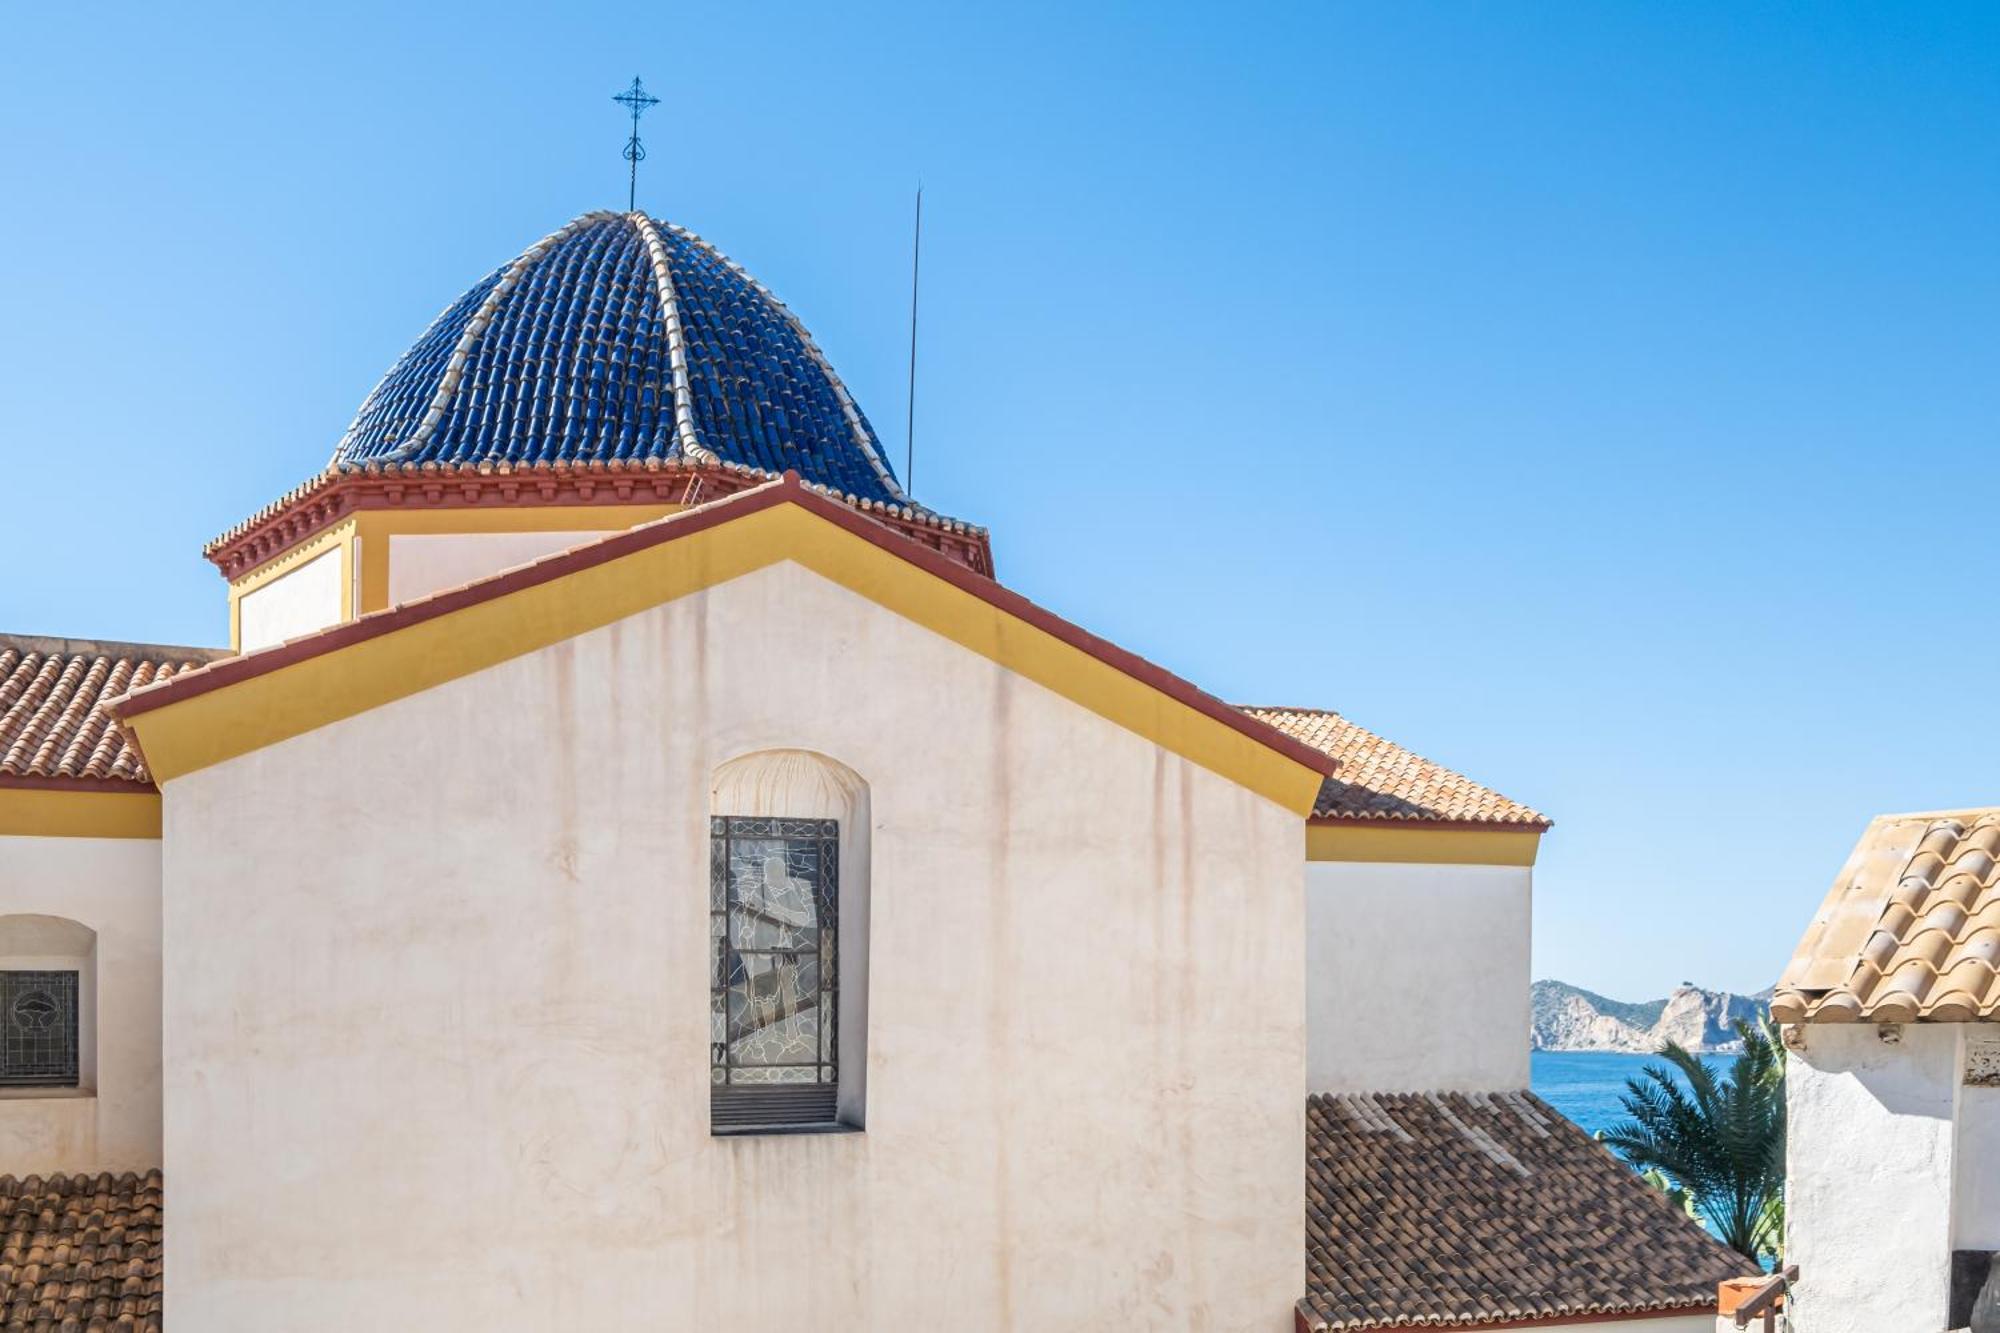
[1597, 398]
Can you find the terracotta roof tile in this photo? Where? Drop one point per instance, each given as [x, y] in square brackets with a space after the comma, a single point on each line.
[1910, 931]
[52, 691]
[80, 1252]
[1455, 1210]
[1380, 780]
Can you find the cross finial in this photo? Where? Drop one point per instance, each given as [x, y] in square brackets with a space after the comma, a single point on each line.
[639, 100]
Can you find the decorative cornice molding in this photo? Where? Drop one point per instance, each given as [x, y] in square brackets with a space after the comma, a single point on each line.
[310, 509]
[98, 786]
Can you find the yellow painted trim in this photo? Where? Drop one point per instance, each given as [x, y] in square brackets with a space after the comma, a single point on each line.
[377, 526]
[40, 812]
[1422, 846]
[340, 535]
[260, 710]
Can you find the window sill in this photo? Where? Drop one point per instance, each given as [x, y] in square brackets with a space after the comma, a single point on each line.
[773, 1131]
[44, 1092]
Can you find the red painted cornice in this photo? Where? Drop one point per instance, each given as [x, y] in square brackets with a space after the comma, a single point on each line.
[333, 496]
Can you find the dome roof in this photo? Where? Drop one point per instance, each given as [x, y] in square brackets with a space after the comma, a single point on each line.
[620, 337]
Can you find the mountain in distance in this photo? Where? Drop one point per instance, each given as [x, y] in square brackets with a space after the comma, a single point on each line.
[1570, 1018]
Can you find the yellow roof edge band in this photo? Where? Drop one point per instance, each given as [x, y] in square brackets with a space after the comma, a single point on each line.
[45, 812]
[183, 735]
[1385, 841]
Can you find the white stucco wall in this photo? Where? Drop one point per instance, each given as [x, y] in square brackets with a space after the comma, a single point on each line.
[111, 887]
[437, 1009]
[1869, 1178]
[306, 599]
[424, 563]
[1417, 977]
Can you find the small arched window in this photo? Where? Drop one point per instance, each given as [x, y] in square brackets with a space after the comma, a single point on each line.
[46, 987]
[784, 957]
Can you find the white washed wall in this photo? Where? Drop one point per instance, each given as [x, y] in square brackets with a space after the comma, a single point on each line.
[436, 1015]
[109, 887]
[1417, 977]
[424, 563]
[1869, 1178]
[306, 599]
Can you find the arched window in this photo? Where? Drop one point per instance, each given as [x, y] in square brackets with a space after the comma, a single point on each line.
[787, 943]
[47, 989]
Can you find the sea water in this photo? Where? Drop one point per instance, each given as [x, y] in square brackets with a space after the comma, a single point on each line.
[1587, 1086]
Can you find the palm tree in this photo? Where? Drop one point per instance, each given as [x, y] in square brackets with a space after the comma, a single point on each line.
[1718, 1139]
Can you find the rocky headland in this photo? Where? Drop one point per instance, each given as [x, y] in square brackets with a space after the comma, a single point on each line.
[1569, 1018]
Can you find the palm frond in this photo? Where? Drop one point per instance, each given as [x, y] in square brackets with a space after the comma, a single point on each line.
[1717, 1139]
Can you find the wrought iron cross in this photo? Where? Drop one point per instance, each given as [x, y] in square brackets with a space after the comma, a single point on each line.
[639, 100]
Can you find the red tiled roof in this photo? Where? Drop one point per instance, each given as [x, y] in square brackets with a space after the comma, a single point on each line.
[1380, 780]
[1910, 931]
[52, 721]
[80, 1252]
[1460, 1210]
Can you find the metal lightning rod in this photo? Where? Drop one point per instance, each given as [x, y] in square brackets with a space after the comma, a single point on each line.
[910, 418]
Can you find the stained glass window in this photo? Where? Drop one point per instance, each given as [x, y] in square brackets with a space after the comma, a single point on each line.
[773, 975]
[38, 1033]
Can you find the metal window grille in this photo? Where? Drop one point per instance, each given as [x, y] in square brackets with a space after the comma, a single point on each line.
[38, 1034]
[773, 972]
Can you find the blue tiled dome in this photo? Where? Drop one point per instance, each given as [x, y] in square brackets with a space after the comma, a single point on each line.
[620, 337]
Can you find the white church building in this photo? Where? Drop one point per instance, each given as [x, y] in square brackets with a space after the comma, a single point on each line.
[633, 866]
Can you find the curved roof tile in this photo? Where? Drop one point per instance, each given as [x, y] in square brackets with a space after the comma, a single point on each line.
[619, 337]
[52, 691]
[1380, 780]
[1910, 931]
[1457, 1210]
[81, 1252]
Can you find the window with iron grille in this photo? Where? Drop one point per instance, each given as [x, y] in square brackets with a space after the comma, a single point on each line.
[773, 974]
[38, 1030]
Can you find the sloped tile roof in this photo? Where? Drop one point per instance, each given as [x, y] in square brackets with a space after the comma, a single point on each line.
[1910, 931]
[52, 723]
[80, 1252]
[1457, 1210]
[1380, 780]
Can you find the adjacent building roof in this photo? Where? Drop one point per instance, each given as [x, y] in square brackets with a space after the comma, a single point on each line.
[620, 337]
[80, 1252]
[52, 727]
[1461, 1210]
[1379, 780]
[1910, 931]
